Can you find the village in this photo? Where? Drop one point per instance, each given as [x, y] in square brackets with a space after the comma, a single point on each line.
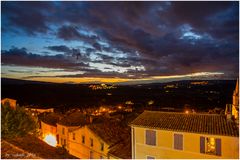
[122, 133]
[88, 133]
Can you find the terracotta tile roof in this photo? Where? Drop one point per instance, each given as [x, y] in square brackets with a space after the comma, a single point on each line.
[74, 119]
[122, 149]
[110, 131]
[196, 123]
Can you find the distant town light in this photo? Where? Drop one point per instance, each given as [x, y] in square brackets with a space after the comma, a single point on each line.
[51, 140]
[186, 111]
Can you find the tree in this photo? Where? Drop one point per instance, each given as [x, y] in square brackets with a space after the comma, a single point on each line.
[16, 122]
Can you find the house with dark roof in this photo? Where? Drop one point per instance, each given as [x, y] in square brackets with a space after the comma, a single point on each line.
[68, 123]
[160, 135]
[100, 141]
[48, 127]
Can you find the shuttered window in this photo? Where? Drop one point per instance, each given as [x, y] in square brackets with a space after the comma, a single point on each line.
[178, 141]
[151, 137]
[202, 144]
[218, 147]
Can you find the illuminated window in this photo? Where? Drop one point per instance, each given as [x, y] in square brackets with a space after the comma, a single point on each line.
[210, 145]
[73, 136]
[83, 139]
[178, 141]
[102, 146]
[63, 131]
[151, 137]
[91, 142]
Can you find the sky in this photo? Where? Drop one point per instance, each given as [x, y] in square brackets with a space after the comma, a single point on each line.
[119, 42]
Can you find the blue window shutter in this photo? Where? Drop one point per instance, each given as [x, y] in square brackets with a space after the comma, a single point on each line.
[178, 141]
[147, 137]
[175, 141]
[202, 144]
[151, 137]
[154, 138]
[181, 142]
[218, 147]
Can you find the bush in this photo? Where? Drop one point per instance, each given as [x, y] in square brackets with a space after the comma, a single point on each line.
[16, 122]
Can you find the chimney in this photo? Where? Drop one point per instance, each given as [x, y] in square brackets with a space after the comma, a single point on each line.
[228, 111]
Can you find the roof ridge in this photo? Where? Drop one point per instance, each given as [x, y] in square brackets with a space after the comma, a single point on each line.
[168, 112]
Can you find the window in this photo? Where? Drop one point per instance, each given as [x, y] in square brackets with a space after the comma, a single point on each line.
[83, 139]
[102, 146]
[64, 142]
[178, 141]
[150, 157]
[151, 137]
[63, 131]
[61, 141]
[57, 138]
[210, 145]
[73, 136]
[91, 155]
[91, 142]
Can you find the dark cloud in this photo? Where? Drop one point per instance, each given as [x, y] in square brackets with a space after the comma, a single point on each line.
[97, 74]
[60, 48]
[29, 16]
[71, 33]
[21, 57]
[73, 52]
[97, 46]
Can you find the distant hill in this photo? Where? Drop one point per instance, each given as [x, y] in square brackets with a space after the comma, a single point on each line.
[215, 93]
[8, 81]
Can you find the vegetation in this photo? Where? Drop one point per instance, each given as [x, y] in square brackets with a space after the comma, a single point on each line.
[16, 122]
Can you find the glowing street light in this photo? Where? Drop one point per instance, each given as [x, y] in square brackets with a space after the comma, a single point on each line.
[51, 140]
